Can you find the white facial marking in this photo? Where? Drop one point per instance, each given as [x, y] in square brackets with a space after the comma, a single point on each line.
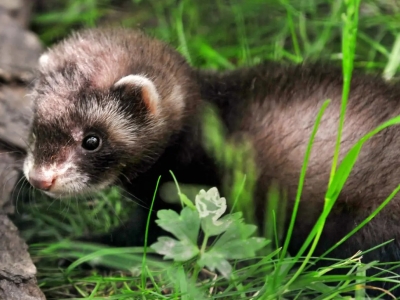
[77, 134]
[28, 164]
[57, 169]
[68, 180]
[44, 60]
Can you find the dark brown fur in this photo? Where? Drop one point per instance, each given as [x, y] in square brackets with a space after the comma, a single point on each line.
[275, 107]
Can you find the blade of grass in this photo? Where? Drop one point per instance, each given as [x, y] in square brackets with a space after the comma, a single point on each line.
[348, 49]
[181, 32]
[290, 23]
[144, 274]
[299, 191]
[394, 60]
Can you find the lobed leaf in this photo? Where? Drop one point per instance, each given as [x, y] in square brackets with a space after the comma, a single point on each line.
[184, 227]
[176, 250]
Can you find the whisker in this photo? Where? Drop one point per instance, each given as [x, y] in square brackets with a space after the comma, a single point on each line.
[24, 181]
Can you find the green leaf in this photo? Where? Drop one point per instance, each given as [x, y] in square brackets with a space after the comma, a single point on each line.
[184, 227]
[233, 244]
[236, 244]
[215, 261]
[223, 224]
[176, 250]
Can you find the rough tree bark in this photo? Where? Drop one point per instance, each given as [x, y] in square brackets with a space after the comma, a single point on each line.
[19, 52]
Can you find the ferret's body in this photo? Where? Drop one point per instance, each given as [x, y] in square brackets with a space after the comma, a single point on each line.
[277, 107]
[138, 104]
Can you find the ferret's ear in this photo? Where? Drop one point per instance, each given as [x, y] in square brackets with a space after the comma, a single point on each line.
[44, 60]
[144, 86]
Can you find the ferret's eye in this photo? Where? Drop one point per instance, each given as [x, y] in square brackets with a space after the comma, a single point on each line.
[91, 142]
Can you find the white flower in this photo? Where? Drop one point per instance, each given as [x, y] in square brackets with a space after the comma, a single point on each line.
[210, 204]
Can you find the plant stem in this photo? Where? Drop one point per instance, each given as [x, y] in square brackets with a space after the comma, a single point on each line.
[197, 268]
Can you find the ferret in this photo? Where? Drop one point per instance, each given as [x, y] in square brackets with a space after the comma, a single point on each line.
[116, 107]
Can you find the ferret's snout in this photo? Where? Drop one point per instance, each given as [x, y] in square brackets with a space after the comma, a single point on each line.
[42, 181]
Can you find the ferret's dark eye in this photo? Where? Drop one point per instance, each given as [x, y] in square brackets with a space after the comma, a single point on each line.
[91, 142]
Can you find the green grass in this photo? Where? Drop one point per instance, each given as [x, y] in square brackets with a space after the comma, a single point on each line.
[221, 35]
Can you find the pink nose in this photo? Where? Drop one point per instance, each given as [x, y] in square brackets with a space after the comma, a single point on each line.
[41, 181]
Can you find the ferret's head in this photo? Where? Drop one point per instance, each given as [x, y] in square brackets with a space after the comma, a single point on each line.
[104, 101]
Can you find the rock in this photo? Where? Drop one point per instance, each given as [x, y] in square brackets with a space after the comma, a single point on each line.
[17, 272]
[9, 175]
[19, 52]
[20, 10]
[15, 115]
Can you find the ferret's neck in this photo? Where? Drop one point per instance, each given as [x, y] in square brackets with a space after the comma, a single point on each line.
[227, 93]
[185, 154]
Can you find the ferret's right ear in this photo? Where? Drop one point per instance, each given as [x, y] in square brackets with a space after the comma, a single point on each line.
[145, 87]
[44, 60]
